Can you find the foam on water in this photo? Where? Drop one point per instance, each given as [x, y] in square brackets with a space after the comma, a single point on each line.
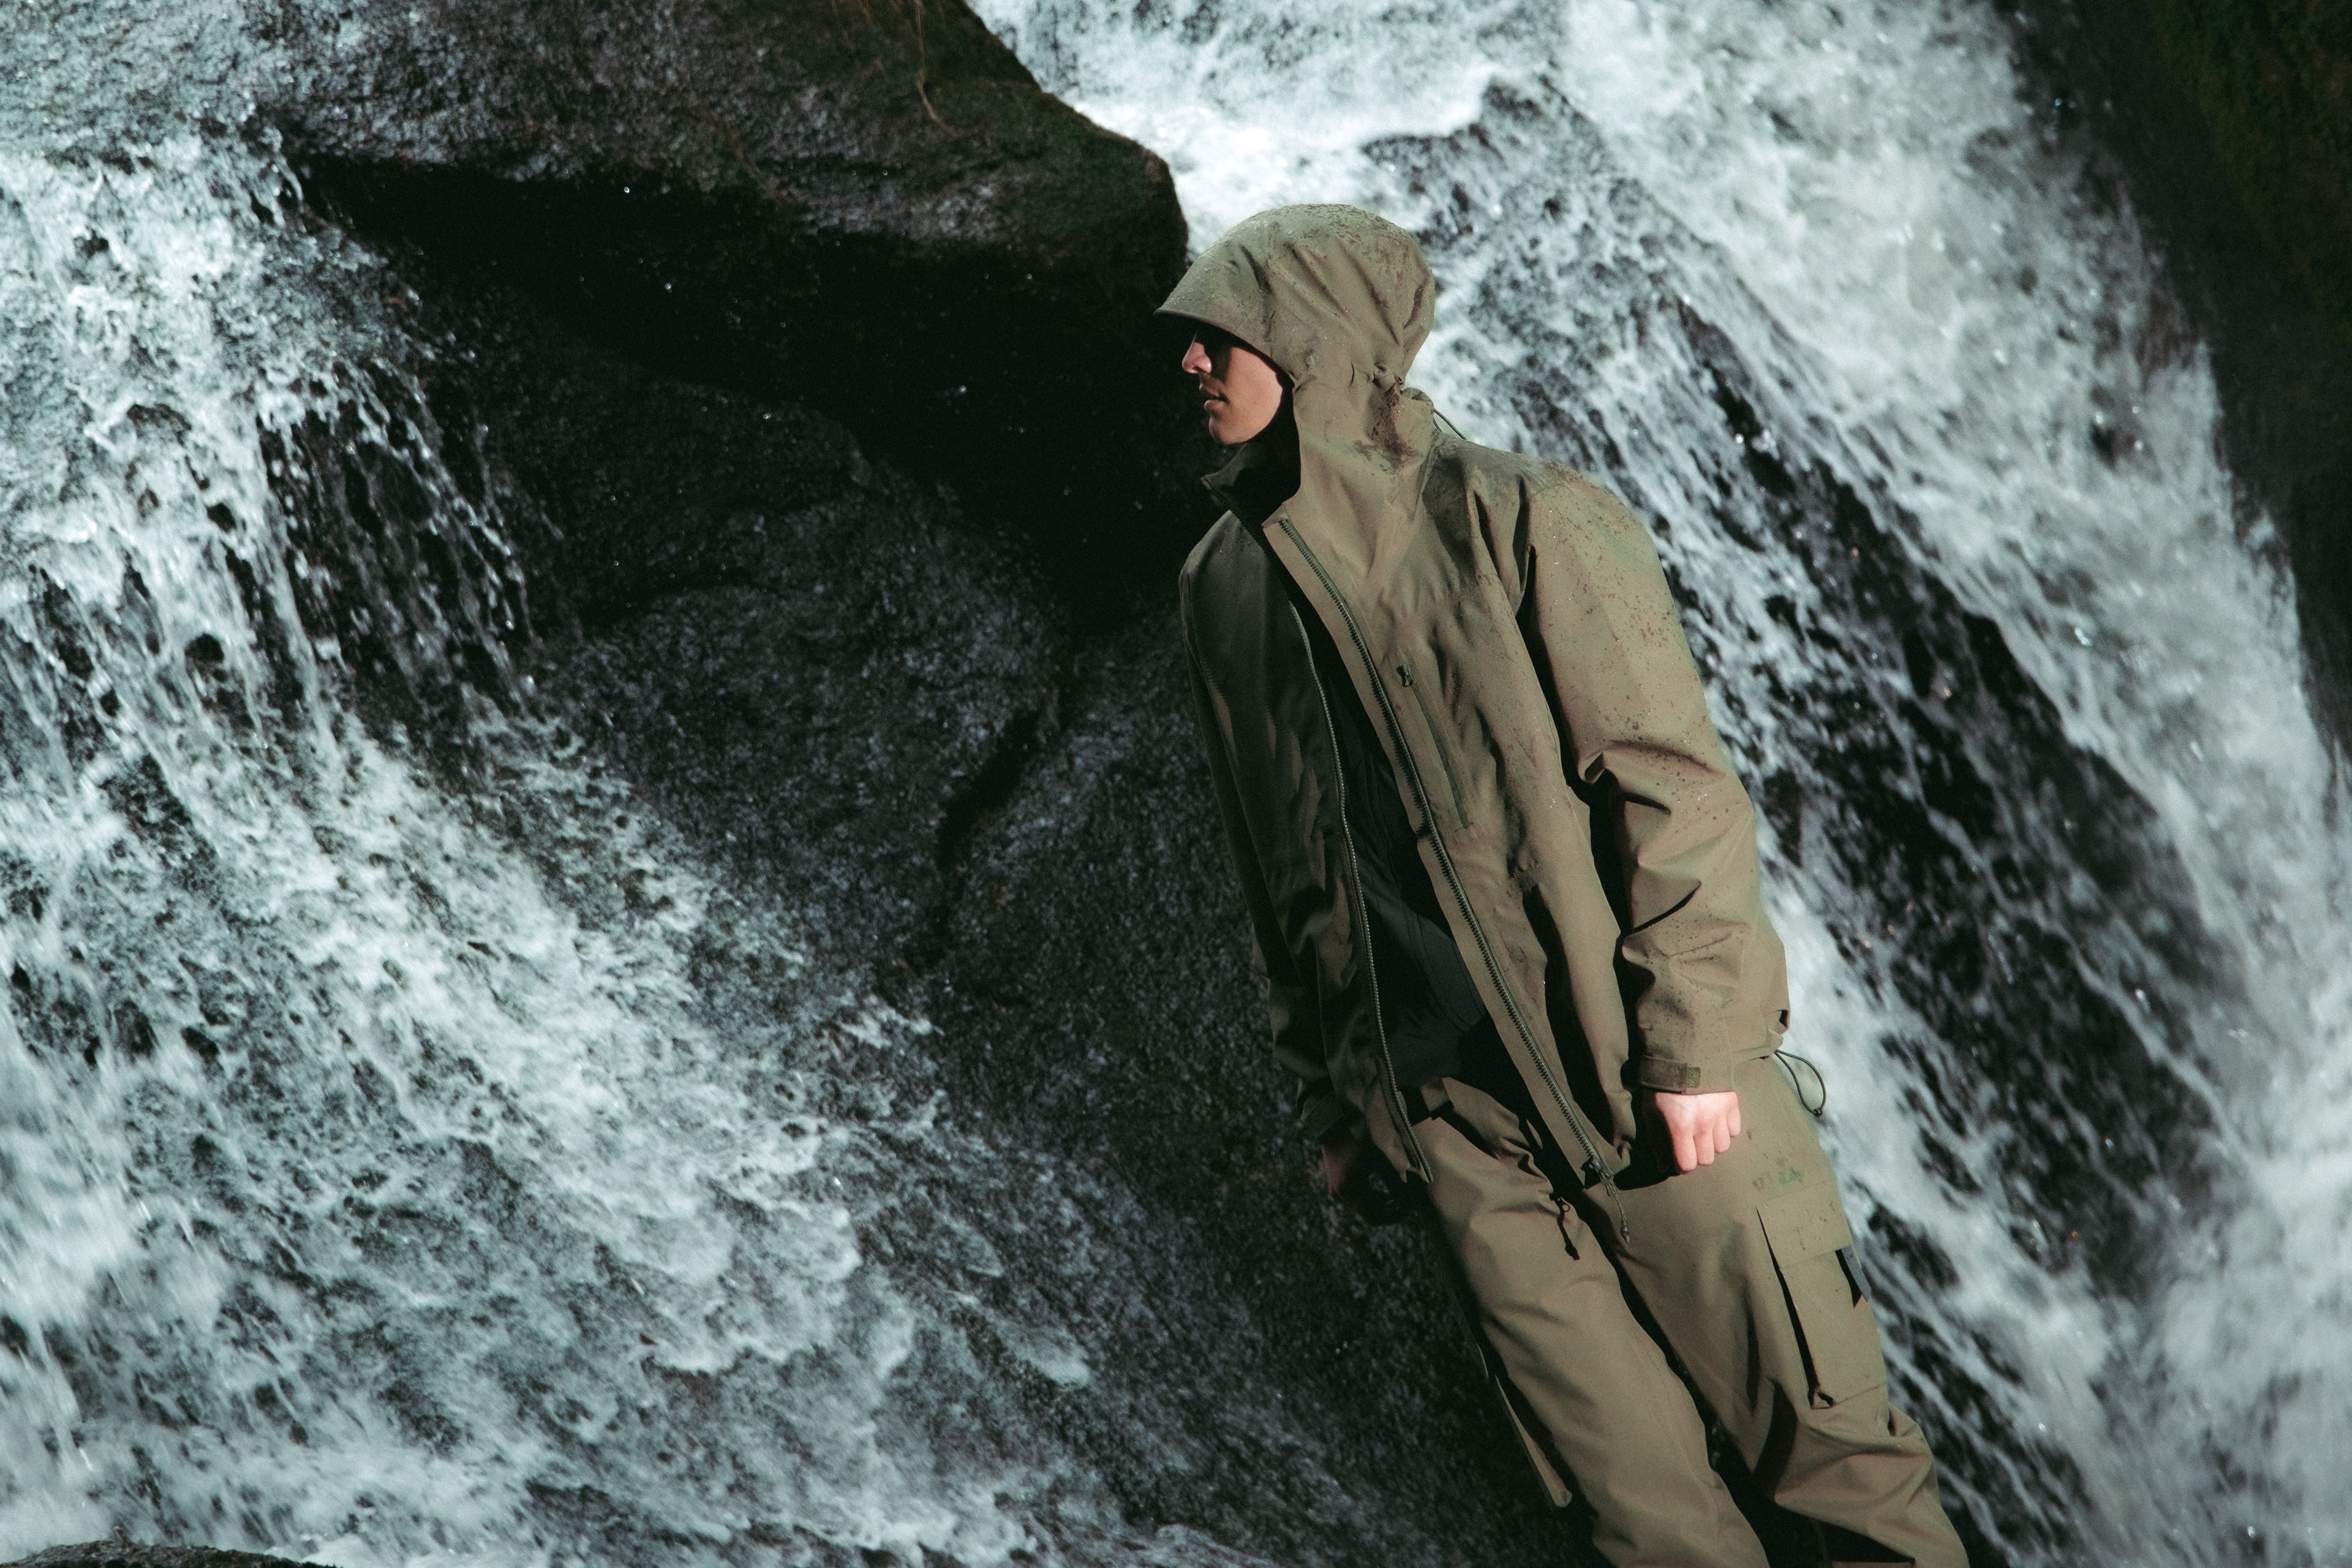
[379, 1183]
[1861, 205]
[380, 1179]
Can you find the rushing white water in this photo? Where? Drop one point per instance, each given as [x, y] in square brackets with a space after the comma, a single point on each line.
[379, 1183]
[1857, 204]
[383, 1179]
[336, 1023]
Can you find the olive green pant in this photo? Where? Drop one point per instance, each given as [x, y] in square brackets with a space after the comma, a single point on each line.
[1735, 1265]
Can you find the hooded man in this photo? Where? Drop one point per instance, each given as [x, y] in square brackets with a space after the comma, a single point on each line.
[1505, 886]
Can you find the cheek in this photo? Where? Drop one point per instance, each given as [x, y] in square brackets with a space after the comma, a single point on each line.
[1265, 391]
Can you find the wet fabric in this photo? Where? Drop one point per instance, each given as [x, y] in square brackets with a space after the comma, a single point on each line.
[1520, 674]
[1429, 1002]
[1737, 1267]
[1508, 635]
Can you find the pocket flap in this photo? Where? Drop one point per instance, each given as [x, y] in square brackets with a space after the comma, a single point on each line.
[1805, 1223]
[1836, 1331]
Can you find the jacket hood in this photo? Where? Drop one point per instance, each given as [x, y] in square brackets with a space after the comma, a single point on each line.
[1331, 294]
[1339, 301]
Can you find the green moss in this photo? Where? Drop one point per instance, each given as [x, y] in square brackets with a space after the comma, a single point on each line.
[2273, 80]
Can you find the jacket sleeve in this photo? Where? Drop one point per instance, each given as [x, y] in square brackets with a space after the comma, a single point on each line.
[1290, 995]
[1673, 834]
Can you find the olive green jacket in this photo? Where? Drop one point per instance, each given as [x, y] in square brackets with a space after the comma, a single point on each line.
[1509, 632]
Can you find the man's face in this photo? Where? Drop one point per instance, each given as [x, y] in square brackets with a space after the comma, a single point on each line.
[1241, 392]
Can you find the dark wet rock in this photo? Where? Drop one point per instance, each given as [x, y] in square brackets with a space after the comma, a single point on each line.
[869, 705]
[818, 666]
[2198, 168]
[2273, 80]
[872, 210]
[804, 356]
[130, 1554]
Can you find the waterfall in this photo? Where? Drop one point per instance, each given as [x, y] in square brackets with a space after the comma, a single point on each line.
[415, 1146]
[1828, 299]
[2057, 847]
[382, 1176]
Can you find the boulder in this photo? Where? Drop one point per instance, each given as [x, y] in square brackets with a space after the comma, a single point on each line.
[130, 1554]
[868, 683]
[2224, 127]
[868, 208]
[2273, 81]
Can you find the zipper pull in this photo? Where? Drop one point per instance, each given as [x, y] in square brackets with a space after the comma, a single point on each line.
[1404, 673]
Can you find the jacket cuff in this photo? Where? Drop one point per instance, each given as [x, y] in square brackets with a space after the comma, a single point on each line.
[1322, 1112]
[1670, 1077]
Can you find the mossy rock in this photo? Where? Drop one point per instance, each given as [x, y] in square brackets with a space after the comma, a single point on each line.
[2273, 81]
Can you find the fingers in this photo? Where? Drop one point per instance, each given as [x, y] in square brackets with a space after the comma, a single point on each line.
[1708, 1138]
[1718, 1125]
[1699, 1126]
[1347, 1176]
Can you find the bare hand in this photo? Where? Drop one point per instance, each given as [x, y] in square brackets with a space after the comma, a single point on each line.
[1355, 1174]
[1698, 1127]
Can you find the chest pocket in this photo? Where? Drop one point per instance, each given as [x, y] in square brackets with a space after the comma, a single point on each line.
[1415, 688]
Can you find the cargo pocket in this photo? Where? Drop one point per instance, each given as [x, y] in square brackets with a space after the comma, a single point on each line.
[1834, 1328]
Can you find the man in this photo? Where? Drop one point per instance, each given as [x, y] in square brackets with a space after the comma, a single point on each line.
[1505, 886]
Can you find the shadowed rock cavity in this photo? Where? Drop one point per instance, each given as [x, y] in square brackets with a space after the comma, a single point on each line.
[816, 665]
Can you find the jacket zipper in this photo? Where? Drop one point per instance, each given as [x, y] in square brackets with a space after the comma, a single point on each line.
[1363, 914]
[1461, 812]
[1593, 1169]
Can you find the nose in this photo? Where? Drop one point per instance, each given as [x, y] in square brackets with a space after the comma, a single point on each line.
[1196, 359]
